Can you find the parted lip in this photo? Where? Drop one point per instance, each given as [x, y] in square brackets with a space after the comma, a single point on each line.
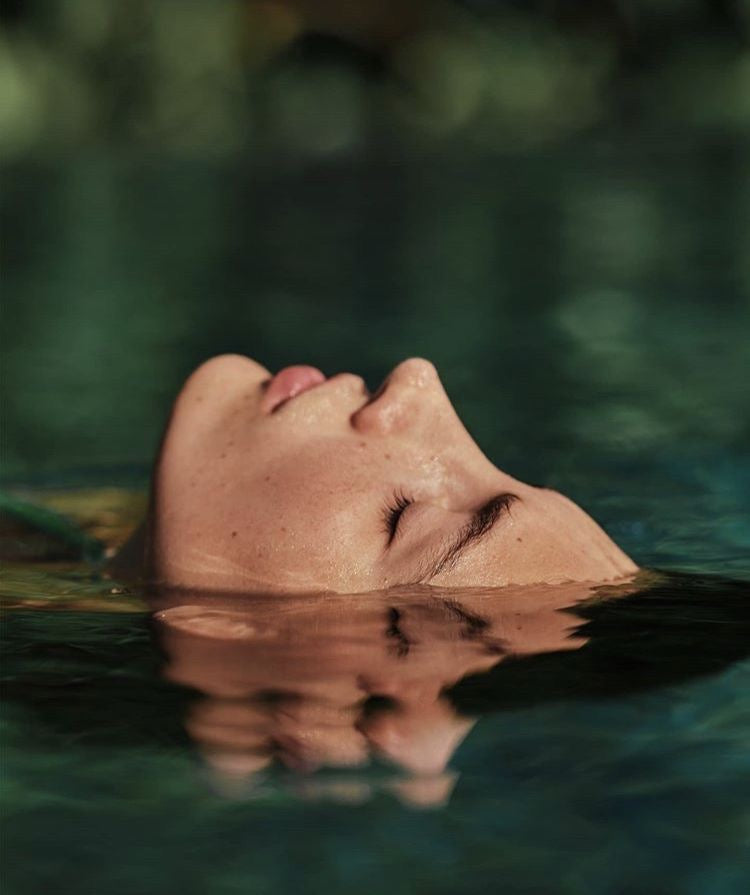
[291, 382]
[288, 383]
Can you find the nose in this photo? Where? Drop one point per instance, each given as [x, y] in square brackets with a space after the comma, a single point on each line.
[412, 391]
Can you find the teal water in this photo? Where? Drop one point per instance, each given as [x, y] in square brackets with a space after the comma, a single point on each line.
[588, 309]
[130, 754]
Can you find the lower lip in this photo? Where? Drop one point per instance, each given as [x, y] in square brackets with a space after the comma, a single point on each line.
[288, 383]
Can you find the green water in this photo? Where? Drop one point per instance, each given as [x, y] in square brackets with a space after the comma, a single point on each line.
[588, 309]
[620, 766]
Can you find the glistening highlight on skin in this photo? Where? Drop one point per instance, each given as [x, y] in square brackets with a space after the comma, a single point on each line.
[279, 483]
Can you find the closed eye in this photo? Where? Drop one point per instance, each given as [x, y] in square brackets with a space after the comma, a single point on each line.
[392, 513]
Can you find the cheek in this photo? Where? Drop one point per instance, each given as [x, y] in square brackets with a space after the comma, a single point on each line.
[279, 517]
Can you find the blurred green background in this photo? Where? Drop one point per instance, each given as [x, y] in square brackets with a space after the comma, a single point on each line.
[550, 200]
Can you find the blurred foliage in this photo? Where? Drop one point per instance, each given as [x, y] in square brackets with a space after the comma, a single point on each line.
[327, 77]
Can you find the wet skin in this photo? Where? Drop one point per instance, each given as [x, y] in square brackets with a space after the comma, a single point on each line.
[337, 489]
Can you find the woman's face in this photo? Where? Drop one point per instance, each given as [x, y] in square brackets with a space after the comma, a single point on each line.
[293, 483]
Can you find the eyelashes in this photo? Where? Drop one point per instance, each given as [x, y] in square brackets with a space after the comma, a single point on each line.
[392, 513]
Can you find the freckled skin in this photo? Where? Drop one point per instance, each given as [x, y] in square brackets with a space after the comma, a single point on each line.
[295, 499]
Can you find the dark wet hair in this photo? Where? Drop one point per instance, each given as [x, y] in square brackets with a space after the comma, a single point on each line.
[681, 627]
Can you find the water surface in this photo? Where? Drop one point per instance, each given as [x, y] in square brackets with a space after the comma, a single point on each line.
[564, 739]
[588, 309]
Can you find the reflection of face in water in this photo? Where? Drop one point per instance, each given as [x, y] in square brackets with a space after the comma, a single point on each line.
[296, 483]
[334, 682]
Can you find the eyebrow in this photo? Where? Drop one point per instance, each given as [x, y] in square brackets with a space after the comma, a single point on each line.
[477, 528]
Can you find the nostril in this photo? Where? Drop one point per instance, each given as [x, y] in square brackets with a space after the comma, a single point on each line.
[398, 398]
[415, 372]
[378, 392]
